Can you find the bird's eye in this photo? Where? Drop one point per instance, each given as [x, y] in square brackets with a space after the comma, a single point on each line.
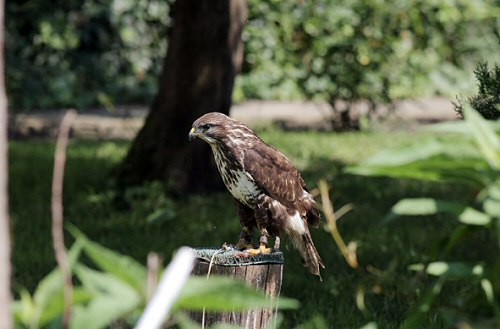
[207, 126]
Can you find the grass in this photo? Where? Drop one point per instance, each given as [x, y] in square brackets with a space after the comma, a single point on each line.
[346, 298]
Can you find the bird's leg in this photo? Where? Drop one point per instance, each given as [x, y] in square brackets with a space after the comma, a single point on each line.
[245, 241]
[263, 243]
[277, 243]
[261, 217]
[263, 249]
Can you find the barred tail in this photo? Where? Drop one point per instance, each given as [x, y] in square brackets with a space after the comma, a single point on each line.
[310, 257]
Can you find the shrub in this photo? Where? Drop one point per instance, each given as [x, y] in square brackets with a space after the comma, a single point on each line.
[487, 101]
[362, 50]
[83, 53]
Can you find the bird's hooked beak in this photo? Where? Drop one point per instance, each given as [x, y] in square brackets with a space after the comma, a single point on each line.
[193, 134]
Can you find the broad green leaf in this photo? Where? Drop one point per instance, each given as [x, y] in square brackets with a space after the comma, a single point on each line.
[370, 325]
[52, 283]
[49, 289]
[492, 207]
[494, 191]
[55, 306]
[406, 155]
[472, 216]
[225, 294]
[111, 299]
[485, 136]
[456, 270]
[429, 206]
[461, 127]
[123, 267]
[491, 200]
[24, 309]
[468, 171]
[488, 290]
[412, 207]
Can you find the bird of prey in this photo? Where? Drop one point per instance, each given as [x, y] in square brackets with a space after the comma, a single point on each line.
[269, 192]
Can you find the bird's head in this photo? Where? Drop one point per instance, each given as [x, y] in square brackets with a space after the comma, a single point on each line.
[211, 127]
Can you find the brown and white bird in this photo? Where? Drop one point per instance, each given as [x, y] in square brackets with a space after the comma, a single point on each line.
[269, 192]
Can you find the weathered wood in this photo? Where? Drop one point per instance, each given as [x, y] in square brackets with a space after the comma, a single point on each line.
[255, 272]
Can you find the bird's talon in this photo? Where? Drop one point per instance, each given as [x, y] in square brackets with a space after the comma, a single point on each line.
[252, 252]
[261, 250]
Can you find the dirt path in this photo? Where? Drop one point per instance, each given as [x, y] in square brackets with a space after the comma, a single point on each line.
[124, 122]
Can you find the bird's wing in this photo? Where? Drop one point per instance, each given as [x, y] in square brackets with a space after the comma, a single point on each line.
[276, 175]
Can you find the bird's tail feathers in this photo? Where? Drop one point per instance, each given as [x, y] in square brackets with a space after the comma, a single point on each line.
[310, 256]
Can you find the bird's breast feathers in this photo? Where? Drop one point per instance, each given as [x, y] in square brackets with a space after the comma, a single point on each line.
[243, 187]
[239, 182]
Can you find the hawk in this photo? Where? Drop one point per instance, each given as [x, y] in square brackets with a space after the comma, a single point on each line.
[269, 192]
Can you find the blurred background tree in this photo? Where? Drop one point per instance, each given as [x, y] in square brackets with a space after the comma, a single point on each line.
[198, 76]
[101, 53]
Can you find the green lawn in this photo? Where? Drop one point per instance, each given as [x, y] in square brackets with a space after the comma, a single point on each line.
[384, 252]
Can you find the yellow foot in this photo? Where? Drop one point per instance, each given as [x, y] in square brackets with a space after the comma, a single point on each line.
[262, 250]
[243, 245]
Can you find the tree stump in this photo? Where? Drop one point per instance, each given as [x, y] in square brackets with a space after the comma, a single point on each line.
[263, 272]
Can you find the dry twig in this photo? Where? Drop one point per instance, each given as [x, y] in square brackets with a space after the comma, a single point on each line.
[57, 213]
[349, 252]
[154, 263]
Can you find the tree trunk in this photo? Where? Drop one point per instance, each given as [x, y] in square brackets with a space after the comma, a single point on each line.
[203, 55]
[5, 293]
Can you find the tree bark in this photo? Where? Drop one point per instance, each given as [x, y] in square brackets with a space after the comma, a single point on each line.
[265, 275]
[5, 267]
[204, 53]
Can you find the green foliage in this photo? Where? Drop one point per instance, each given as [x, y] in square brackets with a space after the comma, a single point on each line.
[122, 267]
[84, 53]
[87, 53]
[46, 303]
[220, 293]
[358, 49]
[487, 101]
[483, 212]
[429, 206]
[116, 291]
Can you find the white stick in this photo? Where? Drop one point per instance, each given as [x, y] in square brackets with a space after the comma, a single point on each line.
[168, 290]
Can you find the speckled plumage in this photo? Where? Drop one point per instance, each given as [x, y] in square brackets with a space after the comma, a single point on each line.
[270, 194]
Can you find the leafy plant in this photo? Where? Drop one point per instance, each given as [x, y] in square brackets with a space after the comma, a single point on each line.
[479, 167]
[46, 304]
[116, 290]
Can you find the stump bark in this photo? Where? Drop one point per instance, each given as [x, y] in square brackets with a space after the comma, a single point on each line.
[263, 272]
